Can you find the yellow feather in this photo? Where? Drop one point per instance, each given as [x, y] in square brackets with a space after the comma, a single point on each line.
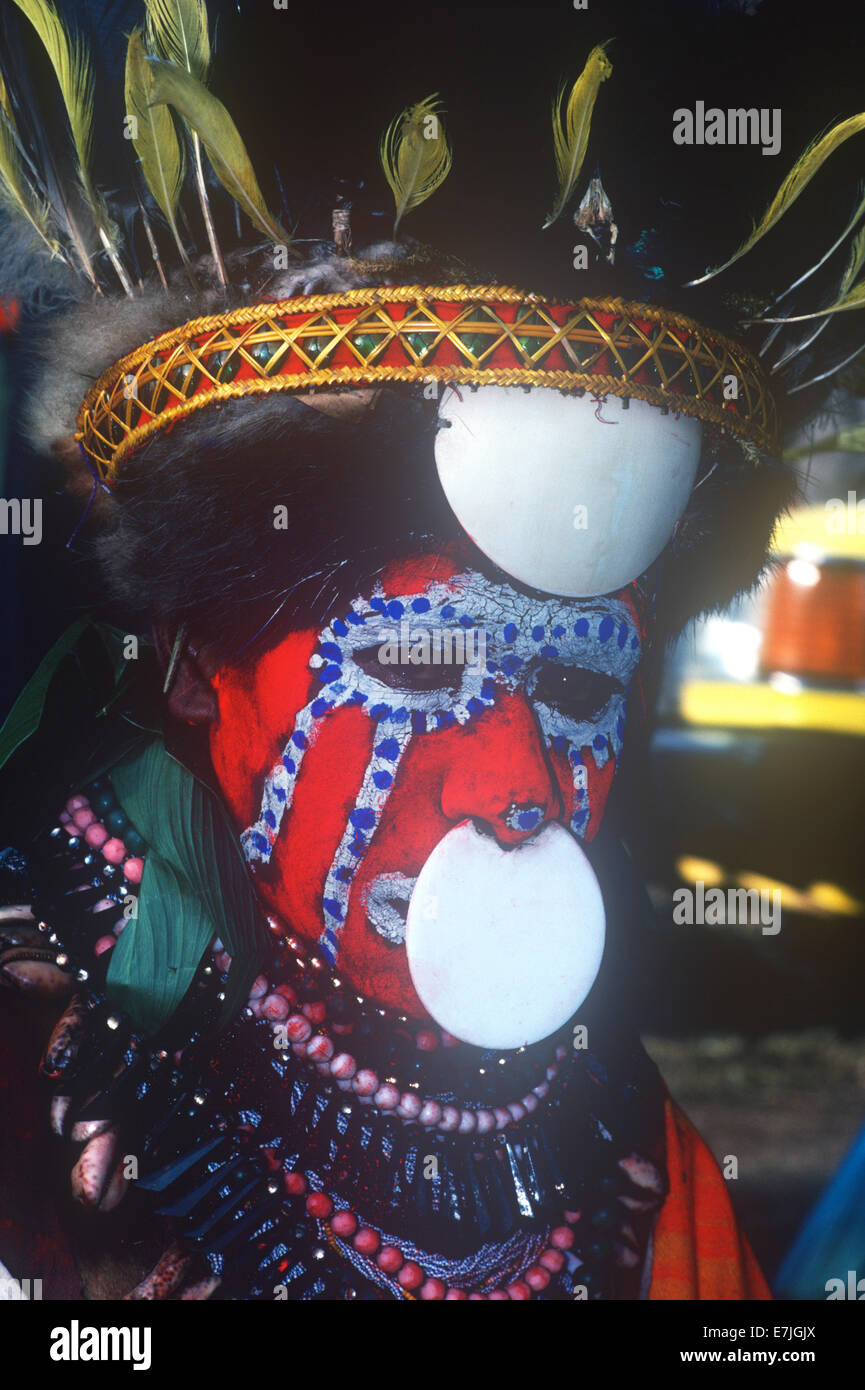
[854, 263]
[177, 31]
[415, 155]
[157, 144]
[71, 63]
[853, 299]
[571, 125]
[15, 188]
[5, 103]
[795, 183]
[208, 118]
[850, 295]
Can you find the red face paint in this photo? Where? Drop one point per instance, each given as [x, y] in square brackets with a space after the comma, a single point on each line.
[463, 758]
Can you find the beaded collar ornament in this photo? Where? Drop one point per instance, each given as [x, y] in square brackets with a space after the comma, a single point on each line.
[325, 1148]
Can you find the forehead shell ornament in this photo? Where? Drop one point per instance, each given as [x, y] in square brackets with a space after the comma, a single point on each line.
[561, 494]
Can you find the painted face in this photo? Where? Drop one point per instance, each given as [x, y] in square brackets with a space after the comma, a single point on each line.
[441, 697]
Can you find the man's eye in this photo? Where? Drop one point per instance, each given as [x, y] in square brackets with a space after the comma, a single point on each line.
[573, 691]
[405, 675]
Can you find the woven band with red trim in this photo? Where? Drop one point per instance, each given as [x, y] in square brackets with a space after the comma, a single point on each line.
[481, 335]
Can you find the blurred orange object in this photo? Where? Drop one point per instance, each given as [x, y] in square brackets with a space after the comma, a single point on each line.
[816, 627]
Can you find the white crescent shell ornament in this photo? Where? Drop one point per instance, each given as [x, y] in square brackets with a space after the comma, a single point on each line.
[504, 945]
[564, 494]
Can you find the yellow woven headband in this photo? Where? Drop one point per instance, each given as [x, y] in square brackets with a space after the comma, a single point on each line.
[477, 335]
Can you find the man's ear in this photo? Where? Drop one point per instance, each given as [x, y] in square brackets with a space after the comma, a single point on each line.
[190, 695]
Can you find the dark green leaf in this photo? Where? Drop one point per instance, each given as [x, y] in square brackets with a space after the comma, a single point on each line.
[24, 717]
[187, 826]
[98, 648]
[159, 950]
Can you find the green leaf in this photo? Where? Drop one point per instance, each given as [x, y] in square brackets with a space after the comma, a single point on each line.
[847, 441]
[159, 950]
[114, 641]
[117, 742]
[25, 715]
[188, 828]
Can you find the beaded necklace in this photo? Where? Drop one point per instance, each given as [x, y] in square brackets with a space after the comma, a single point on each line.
[324, 1147]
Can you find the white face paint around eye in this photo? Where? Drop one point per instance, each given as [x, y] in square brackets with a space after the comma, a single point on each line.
[529, 642]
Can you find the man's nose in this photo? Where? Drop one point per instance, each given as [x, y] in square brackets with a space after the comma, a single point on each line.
[498, 774]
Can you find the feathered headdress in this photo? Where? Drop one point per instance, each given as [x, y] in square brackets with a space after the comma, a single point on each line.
[172, 119]
[384, 318]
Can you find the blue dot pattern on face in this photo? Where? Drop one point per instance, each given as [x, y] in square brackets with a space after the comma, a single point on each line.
[581, 640]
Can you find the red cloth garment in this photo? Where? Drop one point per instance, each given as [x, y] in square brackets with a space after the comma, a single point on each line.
[698, 1250]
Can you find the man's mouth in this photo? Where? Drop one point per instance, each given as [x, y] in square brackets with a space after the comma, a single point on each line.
[385, 899]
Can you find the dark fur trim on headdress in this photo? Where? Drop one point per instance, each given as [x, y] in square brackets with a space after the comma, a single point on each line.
[85, 340]
[720, 545]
